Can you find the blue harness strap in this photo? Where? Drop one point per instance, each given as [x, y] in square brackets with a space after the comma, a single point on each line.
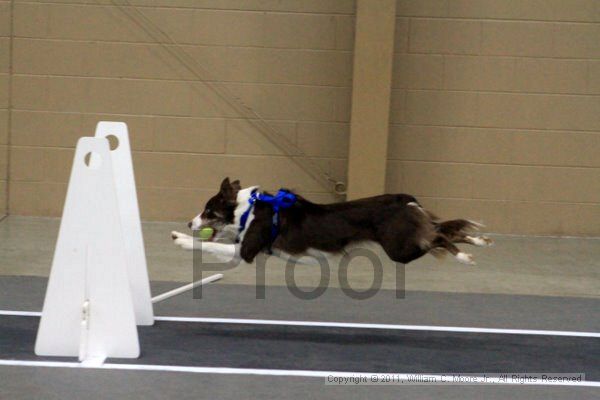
[282, 200]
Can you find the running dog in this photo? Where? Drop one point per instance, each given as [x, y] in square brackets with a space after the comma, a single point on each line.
[247, 221]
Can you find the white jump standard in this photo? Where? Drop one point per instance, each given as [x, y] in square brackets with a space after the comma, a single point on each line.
[98, 289]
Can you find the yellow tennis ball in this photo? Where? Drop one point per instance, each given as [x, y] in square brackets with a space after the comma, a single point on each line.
[206, 233]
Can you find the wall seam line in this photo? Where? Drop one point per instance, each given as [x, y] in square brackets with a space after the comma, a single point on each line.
[10, 108]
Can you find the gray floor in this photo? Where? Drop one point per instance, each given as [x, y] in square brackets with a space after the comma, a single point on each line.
[522, 282]
[416, 308]
[49, 384]
[427, 308]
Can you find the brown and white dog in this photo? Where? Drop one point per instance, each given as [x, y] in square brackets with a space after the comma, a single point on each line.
[243, 227]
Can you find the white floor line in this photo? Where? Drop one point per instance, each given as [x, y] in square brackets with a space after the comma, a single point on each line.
[273, 372]
[325, 324]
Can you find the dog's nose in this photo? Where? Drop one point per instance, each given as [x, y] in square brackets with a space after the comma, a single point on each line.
[190, 224]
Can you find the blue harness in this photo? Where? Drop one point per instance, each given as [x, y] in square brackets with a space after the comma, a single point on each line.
[282, 200]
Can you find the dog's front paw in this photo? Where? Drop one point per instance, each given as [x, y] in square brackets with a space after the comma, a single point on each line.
[182, 240]
[178, 235]
[184, 243]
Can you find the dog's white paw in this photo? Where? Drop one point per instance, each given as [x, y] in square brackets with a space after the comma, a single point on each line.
[182, 240]
[482, 241]
[465, 258]
[178, 235]
[488, 242]
[184, 243]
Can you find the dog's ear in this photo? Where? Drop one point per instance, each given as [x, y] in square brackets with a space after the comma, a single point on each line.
[225, 185]
[229, 190]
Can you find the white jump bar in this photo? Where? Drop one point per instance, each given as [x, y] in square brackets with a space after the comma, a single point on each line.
[185, 288]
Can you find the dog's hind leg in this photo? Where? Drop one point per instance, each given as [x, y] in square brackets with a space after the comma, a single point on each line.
[481, 241]
[442, 242]
[459, 231]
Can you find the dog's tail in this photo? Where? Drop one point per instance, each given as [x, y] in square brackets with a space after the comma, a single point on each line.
[457, 228]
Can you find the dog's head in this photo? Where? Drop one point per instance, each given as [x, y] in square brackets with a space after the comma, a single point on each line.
[219, 210]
